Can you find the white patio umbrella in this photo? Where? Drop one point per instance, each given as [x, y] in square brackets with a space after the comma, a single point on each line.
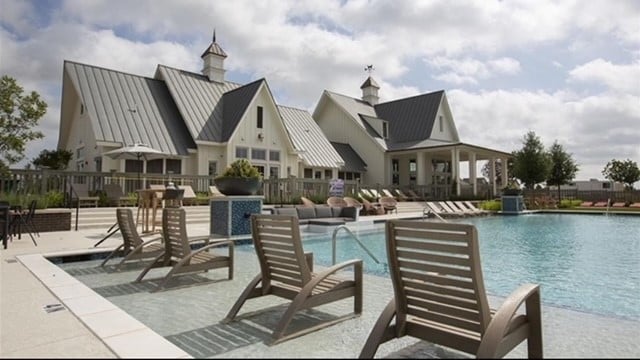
[137, 151]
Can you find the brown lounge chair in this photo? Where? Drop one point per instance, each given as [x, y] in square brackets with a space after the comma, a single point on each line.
[439, 295]
[133, 247]
[178, 253]
[586, 204]
[389, 204]
[372, 208]
[600, 204]
[306, 202]
[335, 201]
[80, 194]
[619, 204]
[286, 272]
[635, 205]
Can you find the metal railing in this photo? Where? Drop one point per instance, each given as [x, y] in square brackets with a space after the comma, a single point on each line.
[333, 244]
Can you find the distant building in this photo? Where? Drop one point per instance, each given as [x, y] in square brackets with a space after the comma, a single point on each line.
[592, 185]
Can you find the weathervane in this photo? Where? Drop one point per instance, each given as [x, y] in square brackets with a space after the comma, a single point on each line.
[369, 69]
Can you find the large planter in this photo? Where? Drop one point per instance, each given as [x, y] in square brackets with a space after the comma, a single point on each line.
[238, 185]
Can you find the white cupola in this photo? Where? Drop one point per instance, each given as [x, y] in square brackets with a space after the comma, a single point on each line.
[213, 58]
[370, 91]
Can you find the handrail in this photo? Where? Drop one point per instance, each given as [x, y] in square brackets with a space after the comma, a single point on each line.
[72, 191]
[333, 244]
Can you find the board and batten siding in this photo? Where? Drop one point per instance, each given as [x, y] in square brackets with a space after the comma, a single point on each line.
[273, 135]
[340, 127]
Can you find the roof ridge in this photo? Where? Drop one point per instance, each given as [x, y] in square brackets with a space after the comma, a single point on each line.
[195, 73]
[410, 97]
[112, 70]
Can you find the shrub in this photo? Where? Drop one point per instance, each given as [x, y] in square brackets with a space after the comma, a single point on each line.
[491, 205]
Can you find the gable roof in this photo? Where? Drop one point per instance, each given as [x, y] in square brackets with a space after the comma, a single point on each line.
[198, 101]
[410, 119]
[235, 104]
[128, 108]
[352, 161]
[307, 137]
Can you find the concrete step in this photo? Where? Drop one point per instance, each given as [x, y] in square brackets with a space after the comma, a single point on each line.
[103, 218]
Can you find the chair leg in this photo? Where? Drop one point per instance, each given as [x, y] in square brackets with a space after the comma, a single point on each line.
[153, 264]
[251, 291]
[381, 332]
[111, 255]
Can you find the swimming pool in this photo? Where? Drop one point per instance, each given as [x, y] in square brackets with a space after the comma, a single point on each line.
[589, 263]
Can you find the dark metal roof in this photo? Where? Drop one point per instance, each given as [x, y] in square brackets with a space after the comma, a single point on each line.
[410, 119]
[369, 82]
[352, 161]
[198, 100]
[129, 108]
[234, 104]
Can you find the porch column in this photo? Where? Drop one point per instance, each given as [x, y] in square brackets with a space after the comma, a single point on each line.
[455, 169]
[504, 171]
[493, 175]
[472, 172]
[422, 169]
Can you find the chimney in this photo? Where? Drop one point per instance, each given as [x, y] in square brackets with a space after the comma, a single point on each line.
[213, 58]
[370, 91]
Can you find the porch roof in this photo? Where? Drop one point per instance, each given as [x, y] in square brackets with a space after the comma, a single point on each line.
[442, 149]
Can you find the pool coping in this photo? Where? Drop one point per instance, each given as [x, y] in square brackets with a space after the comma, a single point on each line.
[125, 336]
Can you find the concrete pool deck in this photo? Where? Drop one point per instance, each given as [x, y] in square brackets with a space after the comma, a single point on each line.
[104, 317]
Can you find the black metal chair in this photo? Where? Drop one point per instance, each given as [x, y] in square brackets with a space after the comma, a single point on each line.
[4, 222]
[29, 217]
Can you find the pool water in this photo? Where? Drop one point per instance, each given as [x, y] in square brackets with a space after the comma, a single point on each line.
[589, 263]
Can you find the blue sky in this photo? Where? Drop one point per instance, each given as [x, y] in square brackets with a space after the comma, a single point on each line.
[567, 70]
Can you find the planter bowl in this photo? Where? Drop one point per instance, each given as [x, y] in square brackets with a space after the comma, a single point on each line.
[238, 185]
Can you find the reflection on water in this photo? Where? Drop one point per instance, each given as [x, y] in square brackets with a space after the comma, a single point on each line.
[584, 262]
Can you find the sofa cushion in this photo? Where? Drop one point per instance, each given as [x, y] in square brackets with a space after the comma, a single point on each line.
[323, 212]
[336, 211]
[306, 212]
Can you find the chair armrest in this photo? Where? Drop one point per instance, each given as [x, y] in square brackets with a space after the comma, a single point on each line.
[501, 321]
[214, 244]
[357, 266]
[194, 239]
[151, 240]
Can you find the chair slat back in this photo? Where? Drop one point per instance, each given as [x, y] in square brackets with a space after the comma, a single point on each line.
[81, 189]
[436, 273]
[279, 248]
[113, 191]
[174, 233]
[127, 226]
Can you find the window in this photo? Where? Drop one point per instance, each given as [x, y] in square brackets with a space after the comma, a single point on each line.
[80, 152]
[81, 109]
[274, 155]
[308, 173]
[395, 171]
[328, 174]
[133, 166]
[385, 129]
[259, 123]
[98, 162]
[274, 171]
[441, 123]
[242, 153]
[318, 175]
[606, 185]
[258, 154]
[213, 168]
[260, 169]
[341, 175]
[174, 166]
[349, 176]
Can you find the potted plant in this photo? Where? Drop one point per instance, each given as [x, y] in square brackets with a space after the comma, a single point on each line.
[239, 178]
[511, 189]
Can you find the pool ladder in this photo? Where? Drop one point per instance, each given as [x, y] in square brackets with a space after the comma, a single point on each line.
[333, 244]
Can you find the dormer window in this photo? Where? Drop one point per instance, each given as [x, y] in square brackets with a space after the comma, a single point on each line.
[259, 122]
[385, 129]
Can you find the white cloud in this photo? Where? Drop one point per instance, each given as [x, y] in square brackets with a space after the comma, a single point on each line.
[304, 47]
[623, 78]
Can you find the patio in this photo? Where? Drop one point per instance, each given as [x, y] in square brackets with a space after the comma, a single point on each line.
[190, 322]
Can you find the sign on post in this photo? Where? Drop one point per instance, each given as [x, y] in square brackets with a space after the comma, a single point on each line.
[336, 187]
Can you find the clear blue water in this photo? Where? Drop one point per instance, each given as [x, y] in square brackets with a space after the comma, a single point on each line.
[589, 263]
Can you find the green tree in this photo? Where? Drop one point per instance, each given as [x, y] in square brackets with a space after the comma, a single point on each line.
[19, 114]
[53, 159]
[531, 164]
[563, 167]
[626, 172]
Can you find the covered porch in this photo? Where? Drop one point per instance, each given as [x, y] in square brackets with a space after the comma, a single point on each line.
[439, 168]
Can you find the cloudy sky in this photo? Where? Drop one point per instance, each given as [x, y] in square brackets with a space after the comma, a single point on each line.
[567, 70]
